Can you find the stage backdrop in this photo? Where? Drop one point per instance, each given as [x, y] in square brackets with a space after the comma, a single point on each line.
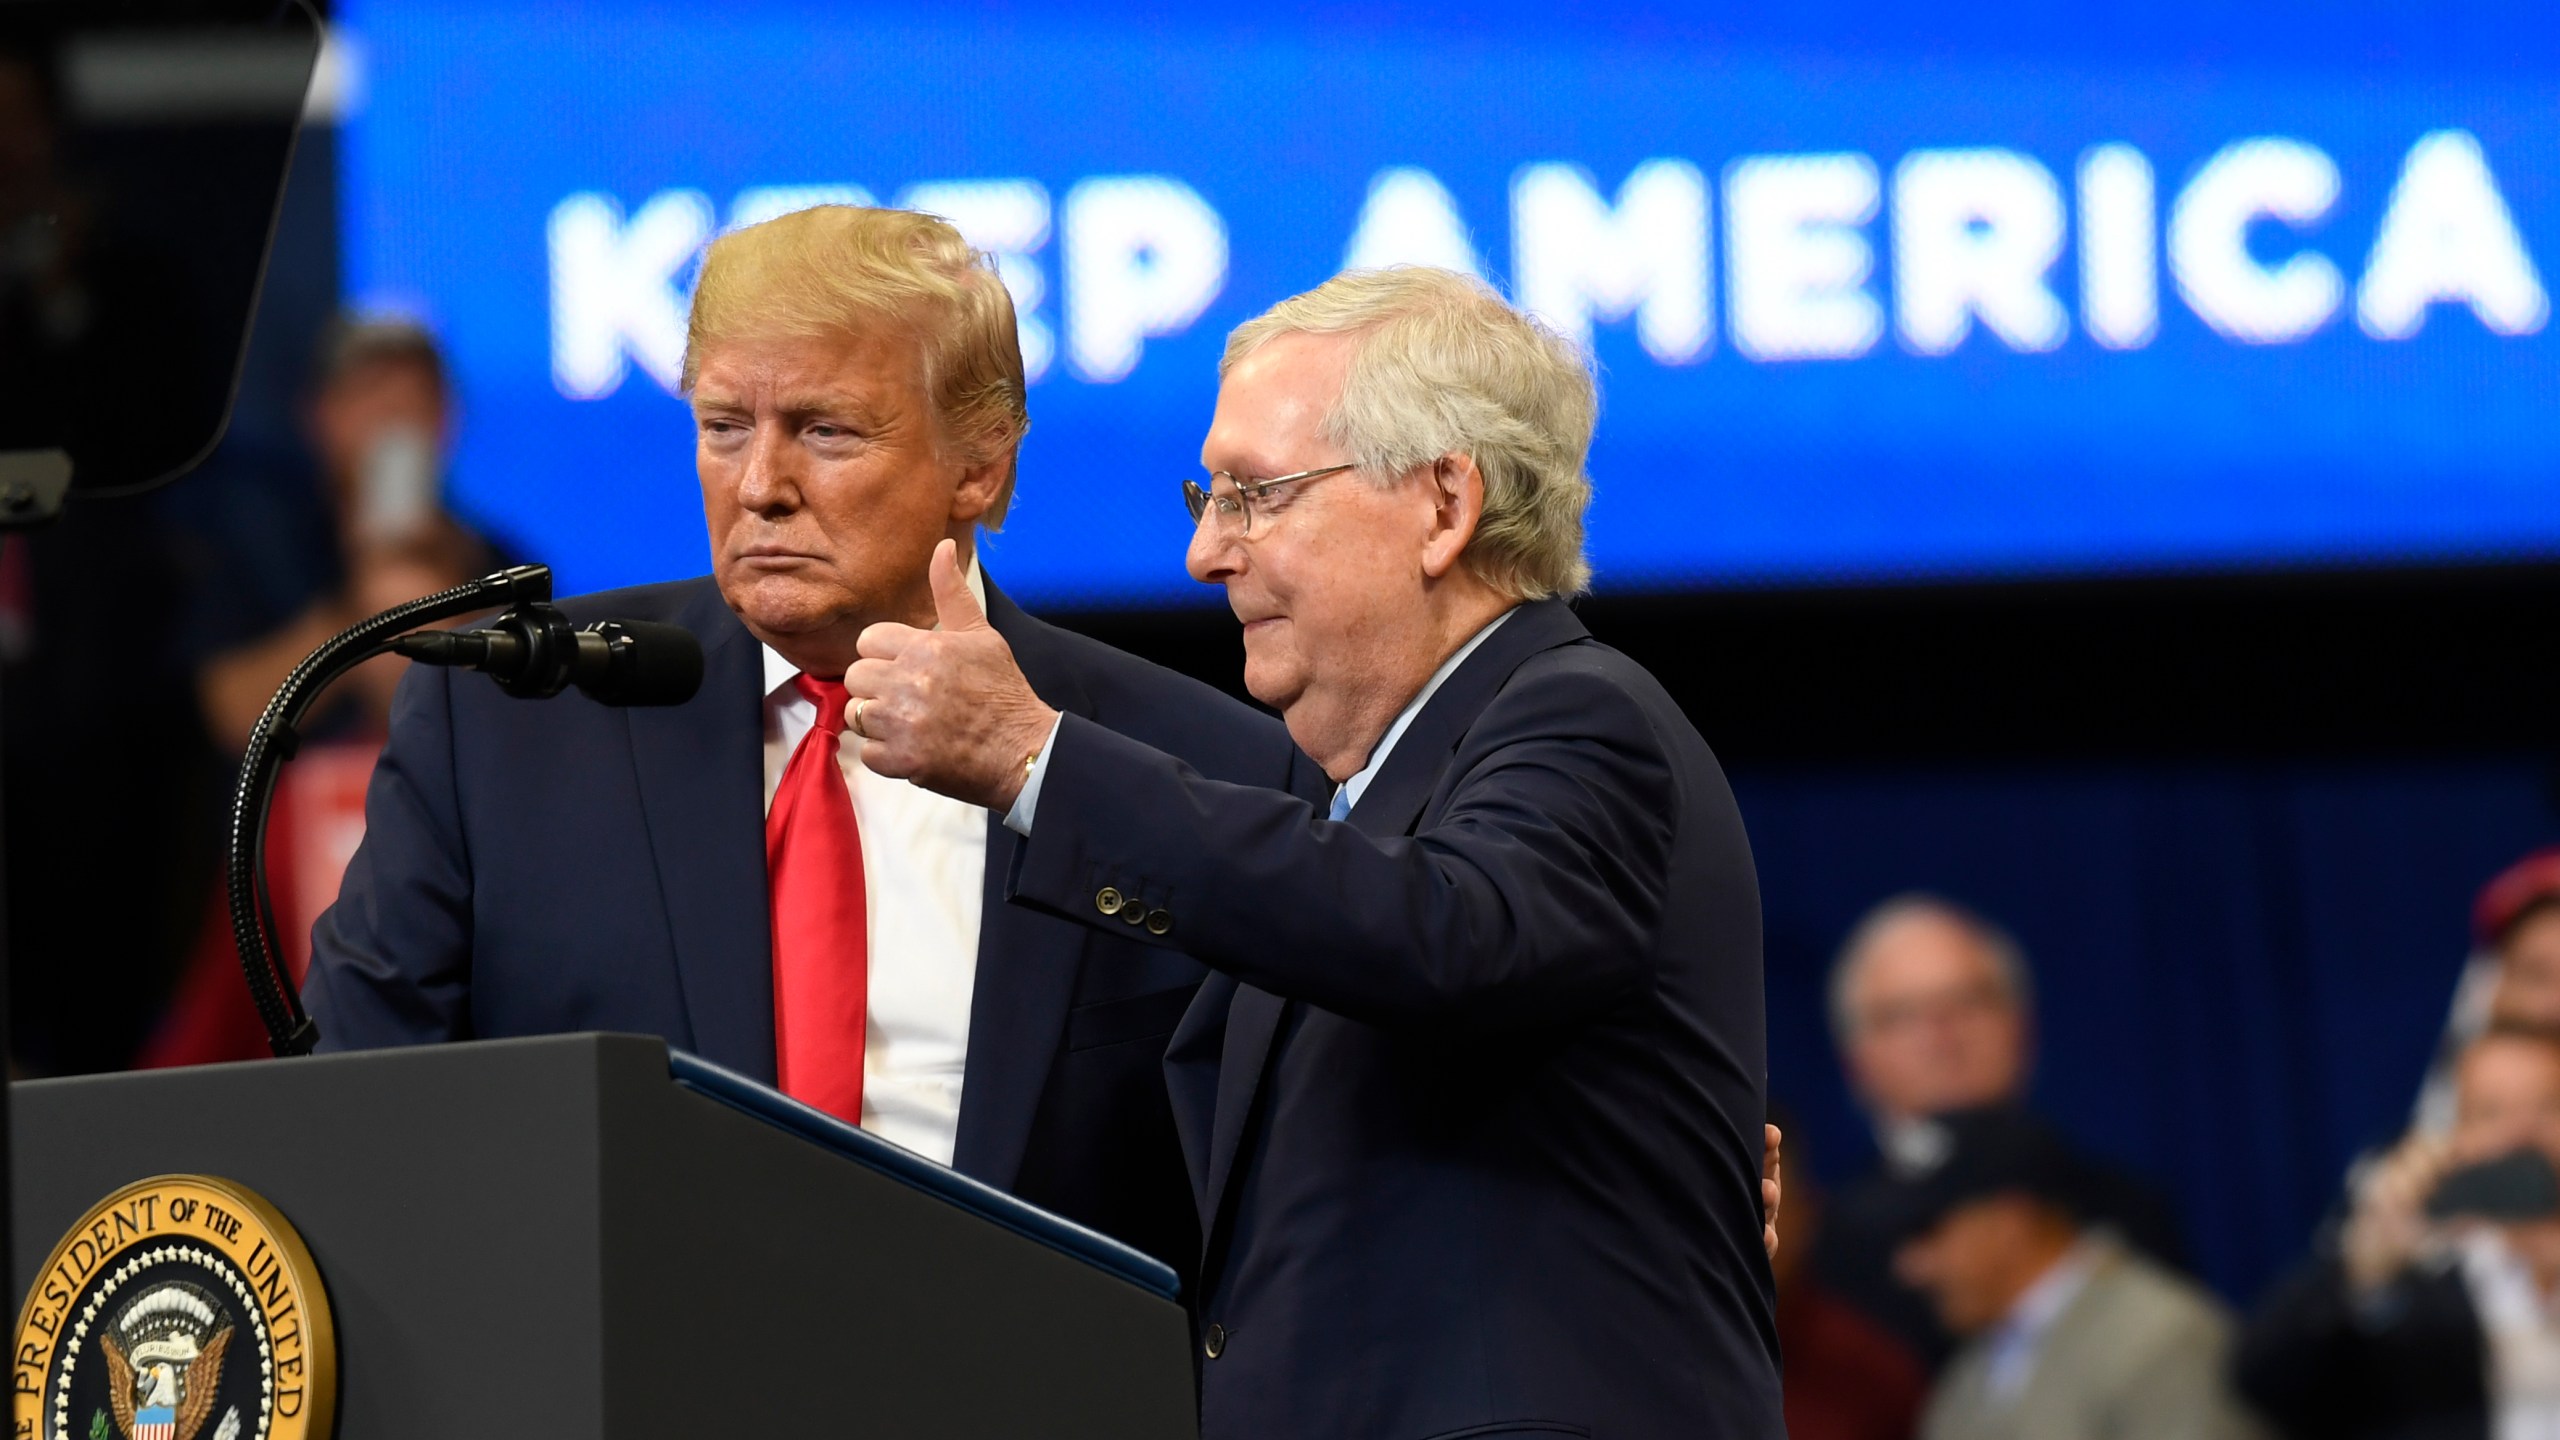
[1873, 292]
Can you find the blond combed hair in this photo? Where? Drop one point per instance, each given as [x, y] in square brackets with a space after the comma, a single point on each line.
[839, 269]
[1444, 367]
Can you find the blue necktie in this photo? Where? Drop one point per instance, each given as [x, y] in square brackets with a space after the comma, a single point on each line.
[1341, 804]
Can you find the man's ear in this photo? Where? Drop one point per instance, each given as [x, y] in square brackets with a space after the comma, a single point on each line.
[1458, 506]
[980, 484]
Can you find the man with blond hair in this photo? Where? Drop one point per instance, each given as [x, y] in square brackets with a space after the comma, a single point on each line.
[726, 873]
[1473, 1097]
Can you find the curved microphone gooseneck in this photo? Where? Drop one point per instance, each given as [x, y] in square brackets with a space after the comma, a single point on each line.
[274, 741]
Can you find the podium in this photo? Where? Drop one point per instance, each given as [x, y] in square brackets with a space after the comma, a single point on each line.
[585, 1236]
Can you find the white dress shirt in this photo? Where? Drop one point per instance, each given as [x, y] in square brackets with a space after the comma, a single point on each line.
[924, 871]
[2521, 1325]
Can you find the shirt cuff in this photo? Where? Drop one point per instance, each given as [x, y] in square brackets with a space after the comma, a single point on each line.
[1018, 819]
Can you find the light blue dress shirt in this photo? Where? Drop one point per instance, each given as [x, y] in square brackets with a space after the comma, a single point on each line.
[1349, 792]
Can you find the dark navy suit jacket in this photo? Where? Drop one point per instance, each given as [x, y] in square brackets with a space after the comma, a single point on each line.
[531, 868]
[1474, 1100]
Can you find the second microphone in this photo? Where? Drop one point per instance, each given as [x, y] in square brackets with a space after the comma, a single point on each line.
[534, 652]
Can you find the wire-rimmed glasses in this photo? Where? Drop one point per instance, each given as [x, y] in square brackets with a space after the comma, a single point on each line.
[1234, 503]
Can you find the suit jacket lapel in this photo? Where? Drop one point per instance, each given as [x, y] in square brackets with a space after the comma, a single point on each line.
[1027, 962]
[700, 770]
[1191, 1065]
[1391, 805]
[1253, 1023]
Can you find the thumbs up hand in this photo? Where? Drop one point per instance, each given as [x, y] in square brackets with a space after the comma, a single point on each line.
[954, 608]
[946, 708]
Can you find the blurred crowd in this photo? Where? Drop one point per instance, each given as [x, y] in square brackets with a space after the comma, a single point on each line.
[1991, 1279]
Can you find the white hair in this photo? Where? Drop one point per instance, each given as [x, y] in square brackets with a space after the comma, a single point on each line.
[1444, 367]
[2008, 959]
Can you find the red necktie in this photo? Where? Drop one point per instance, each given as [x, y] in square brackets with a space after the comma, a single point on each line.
[821, 943]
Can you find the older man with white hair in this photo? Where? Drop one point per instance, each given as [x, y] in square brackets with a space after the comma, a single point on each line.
[1473, 1096]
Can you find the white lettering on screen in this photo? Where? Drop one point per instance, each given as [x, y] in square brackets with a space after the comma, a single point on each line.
[1798, 257]
[2447, 237]
[2217, 273]
[1410, 219]
[2119, 258]
[1009, 220]
[1578, 258]
[614, 296]
[1145, 254]
[1975, 236]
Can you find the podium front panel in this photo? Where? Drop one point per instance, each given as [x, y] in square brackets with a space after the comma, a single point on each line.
[548, 1237]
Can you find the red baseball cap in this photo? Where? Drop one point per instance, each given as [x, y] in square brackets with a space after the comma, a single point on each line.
[2519, 887]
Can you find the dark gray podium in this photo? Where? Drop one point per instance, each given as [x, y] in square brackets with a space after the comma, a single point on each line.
[579, 1236]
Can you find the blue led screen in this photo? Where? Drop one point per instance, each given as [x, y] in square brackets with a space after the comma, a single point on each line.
[1860, 310]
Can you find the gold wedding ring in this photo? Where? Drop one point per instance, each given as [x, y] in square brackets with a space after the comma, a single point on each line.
[857, 717]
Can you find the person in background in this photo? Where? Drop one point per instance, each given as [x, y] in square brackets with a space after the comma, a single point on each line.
[1932, 1007]
[287, 573]
[2068, 1334]
[286, 557]
[2517, 918]
[2513, 974]
[2432, 1312]
[1845, 1378]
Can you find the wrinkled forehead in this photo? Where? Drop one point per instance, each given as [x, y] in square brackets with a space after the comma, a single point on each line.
[1273, 403]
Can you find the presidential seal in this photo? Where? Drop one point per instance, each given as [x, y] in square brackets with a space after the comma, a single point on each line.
[180, 1308]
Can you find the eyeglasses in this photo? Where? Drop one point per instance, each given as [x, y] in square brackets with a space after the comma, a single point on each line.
[1954, 1003]
[1235, 502]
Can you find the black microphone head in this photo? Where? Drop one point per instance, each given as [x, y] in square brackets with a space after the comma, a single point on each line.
[646, 663]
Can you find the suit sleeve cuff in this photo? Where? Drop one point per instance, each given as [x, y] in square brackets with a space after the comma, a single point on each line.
[1018, 818]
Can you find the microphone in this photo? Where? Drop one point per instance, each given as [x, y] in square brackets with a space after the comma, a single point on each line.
[533, 652]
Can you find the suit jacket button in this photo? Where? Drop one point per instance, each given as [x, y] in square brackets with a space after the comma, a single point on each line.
[1107, 900]
[1215, 1342]
[1134, 912]
[1159, 921]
